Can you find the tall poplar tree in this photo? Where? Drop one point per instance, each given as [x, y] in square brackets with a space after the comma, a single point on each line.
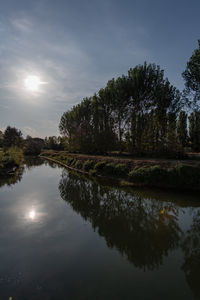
[194, 130]
[191, 75]
[182, 129]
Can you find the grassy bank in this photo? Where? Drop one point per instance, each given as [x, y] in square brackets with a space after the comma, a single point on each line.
[183, 175]
[10, 161]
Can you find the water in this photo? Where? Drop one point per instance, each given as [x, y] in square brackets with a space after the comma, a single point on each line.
[63, 236]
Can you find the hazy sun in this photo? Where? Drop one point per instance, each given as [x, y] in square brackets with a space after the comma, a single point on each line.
[32, 214]
[32, 83]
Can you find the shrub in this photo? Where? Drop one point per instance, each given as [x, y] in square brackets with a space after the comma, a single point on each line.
[70, 161]
[78, 164]
[152, 175]
[109, 169]
[14, 155]
[63, 157]
[88, 165]
[99, 166]
[186, 176]
[121, 169]
[92, 172]
[180, 176]
[139, 176]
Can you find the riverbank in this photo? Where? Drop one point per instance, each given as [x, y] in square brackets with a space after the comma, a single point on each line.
[180, 175]
[10, 161]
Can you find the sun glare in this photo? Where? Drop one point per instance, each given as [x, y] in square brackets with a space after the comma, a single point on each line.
[32, 83]
[32, 214]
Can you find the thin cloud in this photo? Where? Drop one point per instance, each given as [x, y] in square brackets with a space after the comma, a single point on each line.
[22, 24]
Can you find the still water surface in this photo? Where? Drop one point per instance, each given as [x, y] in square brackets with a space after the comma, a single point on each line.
[63, 236]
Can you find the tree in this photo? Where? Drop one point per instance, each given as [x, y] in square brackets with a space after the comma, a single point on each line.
[1, 138]
[192, 75]
[182, 129]
[32, 146]
[12, 137]
[120, 105]
[52, 142]
[194, 130]
[104, 132]
[130, 111]
[150, 93]
[171, 132]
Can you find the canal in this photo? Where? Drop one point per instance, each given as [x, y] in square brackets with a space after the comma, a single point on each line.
[65, 236]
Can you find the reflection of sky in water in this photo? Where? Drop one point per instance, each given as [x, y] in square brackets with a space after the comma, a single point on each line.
[48, 250]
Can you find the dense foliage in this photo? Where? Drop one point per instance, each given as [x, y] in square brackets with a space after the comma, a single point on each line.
[139, 113]
[192, 75]
[12, 137]
[33, 146]
[10, 159]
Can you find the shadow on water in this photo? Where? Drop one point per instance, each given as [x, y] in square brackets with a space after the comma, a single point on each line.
[141, 227]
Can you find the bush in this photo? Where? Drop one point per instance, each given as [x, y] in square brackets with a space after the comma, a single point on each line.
[88, 165]
[121, 170]
[139, 176]
[186, 176]
[13, 157]
[92, 172]
[70, 161]
[152, 175]
[78, 164]
[100, 166]
[109, 169]
[62, 157]
[180, 176]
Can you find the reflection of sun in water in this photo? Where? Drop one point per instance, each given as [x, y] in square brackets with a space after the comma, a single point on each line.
[32, 215]
[32, 83]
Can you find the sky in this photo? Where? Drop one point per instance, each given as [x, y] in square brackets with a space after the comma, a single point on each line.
[74, 47]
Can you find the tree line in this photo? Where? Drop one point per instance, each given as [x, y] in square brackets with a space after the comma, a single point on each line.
[12, 137]
[141, 113]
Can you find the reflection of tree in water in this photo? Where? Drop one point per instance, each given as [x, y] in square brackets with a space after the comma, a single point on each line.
[142, 229]
[12, 178]
[191, 249]
[30, 162]
[33, 161]
[52, 164]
